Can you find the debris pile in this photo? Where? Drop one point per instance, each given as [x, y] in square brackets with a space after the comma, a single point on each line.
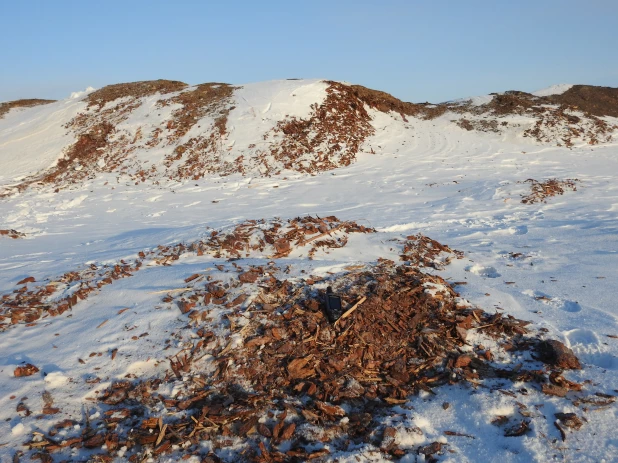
[422, 251]
[277, 238]
[540, 191]
[259, 238]
[25, 370]
[598, 101]
[268, 377]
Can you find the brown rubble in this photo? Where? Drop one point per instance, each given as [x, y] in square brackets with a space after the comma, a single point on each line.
[275, 238]
[199, 155]
[422, 251]
[540, 191]
[295, 369]
[282, 376]
[560, 119]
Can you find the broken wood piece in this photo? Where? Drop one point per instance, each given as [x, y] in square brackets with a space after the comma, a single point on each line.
[352, 309]
[161, 435]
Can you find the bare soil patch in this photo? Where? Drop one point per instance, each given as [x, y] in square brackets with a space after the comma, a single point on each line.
[336, 129]
[481, 125]
[329, 138]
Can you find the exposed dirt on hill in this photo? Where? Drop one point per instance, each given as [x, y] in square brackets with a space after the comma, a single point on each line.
[556, 118]
[598, 101]
[195, 157]
[512, 102]
[330, 137]
[28, 103]
[336, 130]
[133, 90]
[385, 103]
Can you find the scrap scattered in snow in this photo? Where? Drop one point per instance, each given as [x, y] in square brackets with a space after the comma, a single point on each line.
[462, 183]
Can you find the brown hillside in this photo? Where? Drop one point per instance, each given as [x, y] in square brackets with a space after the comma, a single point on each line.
[598, 101]
[133, 89]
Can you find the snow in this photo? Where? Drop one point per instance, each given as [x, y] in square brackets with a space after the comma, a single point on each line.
[32, 139]
[460, 188]
[558, 89]
[478, 100]
[81, 94]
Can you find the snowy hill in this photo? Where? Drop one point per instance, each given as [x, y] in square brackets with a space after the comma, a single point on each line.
[165, 130]
[165, 254]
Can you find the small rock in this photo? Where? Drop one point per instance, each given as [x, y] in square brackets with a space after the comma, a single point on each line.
[26, 280]
[557, 354]
[388, 439]
[434, 447]
[248, 277]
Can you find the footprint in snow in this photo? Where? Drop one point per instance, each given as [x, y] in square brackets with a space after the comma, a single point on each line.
[554, 302]
[571, 306]
[519, 230]
[583, 337]
[588, 347]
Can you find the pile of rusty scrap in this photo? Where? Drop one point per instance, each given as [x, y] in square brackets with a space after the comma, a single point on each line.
[271, 378]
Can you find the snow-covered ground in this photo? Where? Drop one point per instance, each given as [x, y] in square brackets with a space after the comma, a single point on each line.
[462, 188]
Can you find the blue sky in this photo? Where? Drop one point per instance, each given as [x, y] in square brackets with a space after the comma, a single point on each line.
[417, 50]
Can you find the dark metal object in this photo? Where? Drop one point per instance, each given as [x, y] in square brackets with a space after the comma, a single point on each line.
[333, 305]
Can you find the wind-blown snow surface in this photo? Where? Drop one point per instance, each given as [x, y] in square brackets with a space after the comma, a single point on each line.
[458, 187]
[557, 89]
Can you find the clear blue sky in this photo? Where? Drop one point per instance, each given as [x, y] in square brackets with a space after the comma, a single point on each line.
[417, 50]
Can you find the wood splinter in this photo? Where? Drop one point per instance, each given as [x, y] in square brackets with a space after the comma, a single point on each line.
[352, 309]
